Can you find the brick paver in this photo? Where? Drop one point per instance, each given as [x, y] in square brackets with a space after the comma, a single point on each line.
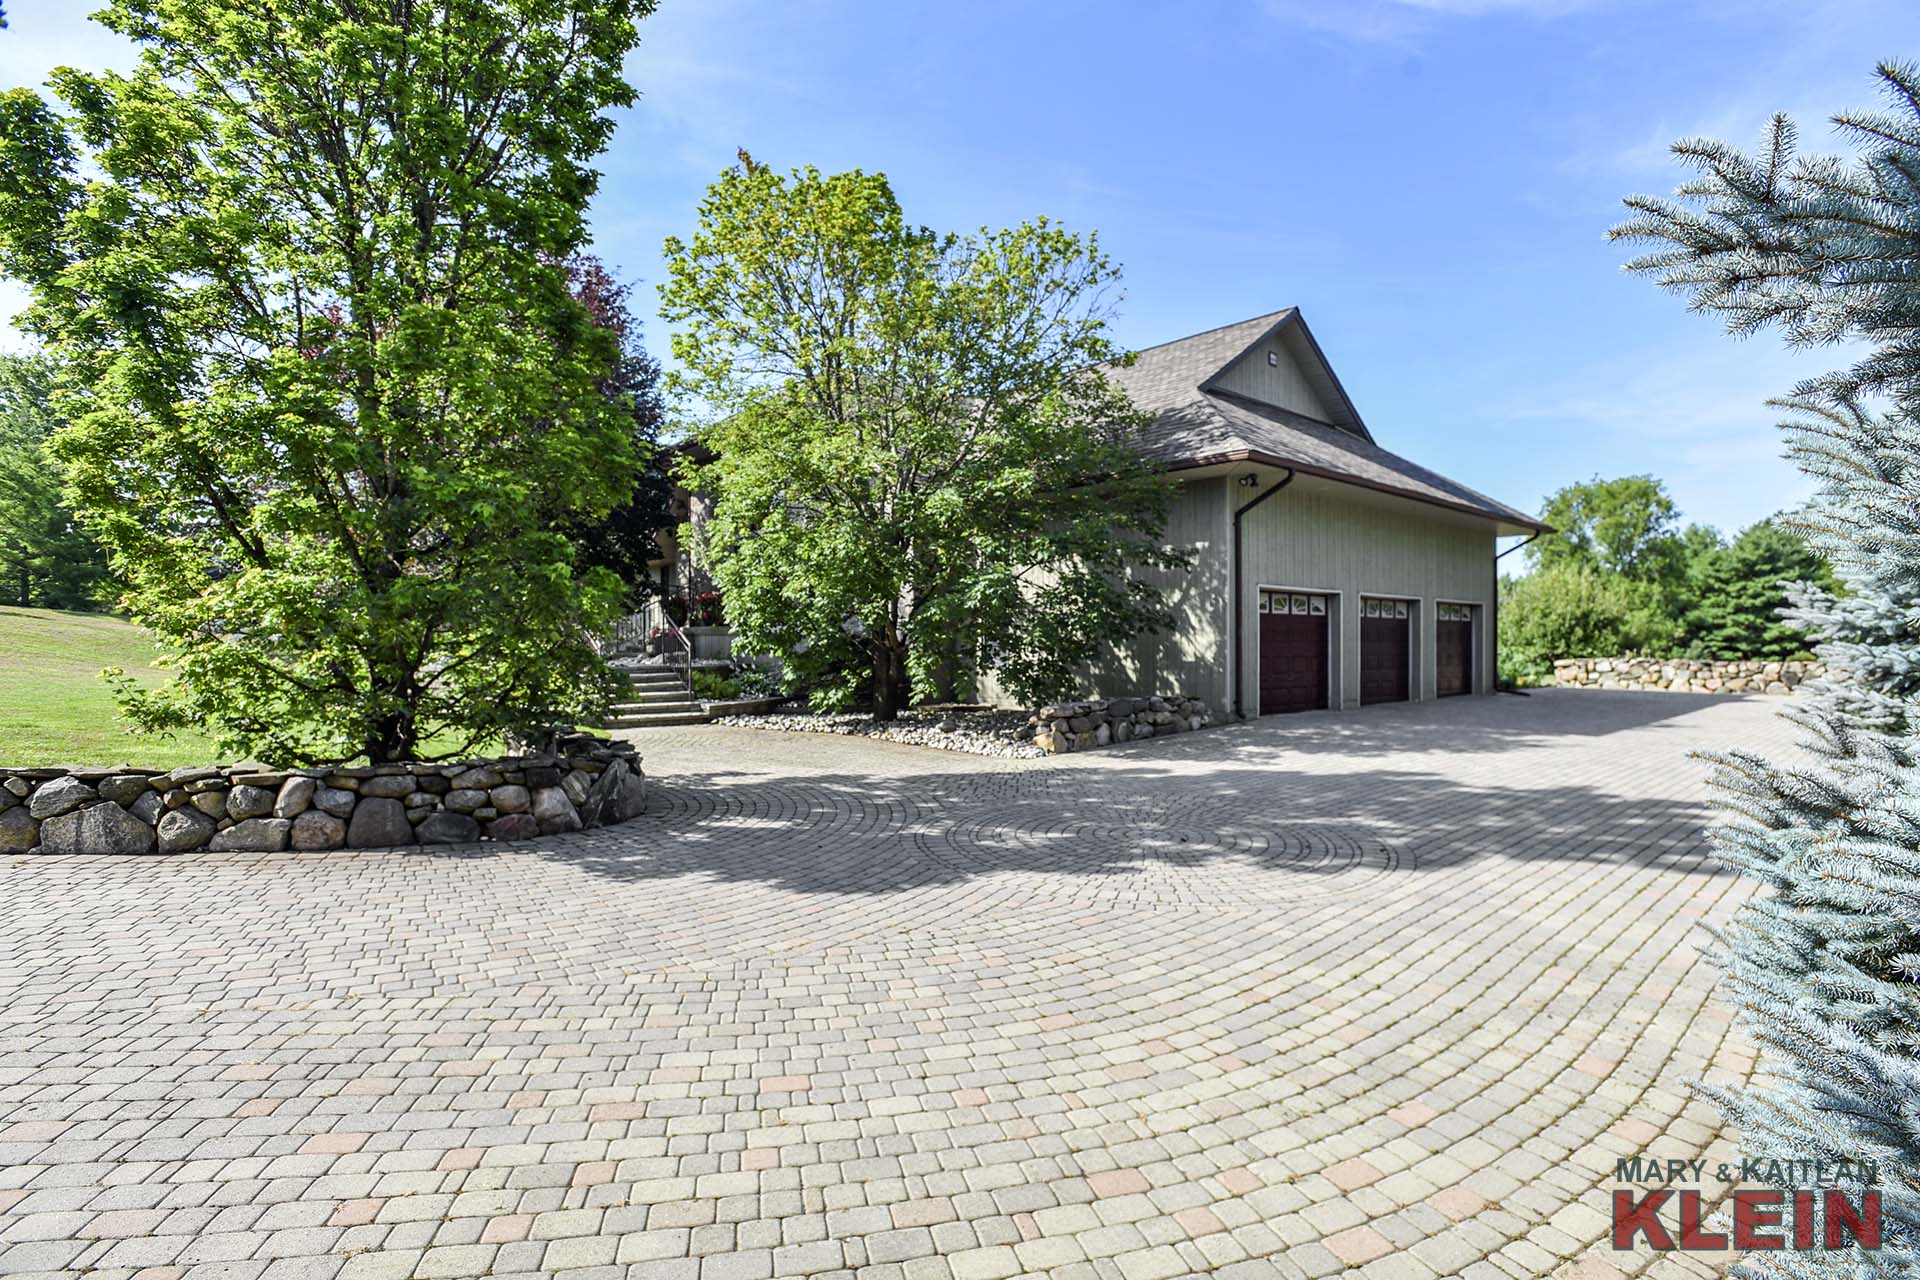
[1386, 990]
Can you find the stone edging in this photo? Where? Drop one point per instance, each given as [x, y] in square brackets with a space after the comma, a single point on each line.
[1076, 726]
[578, 781]
[1684, 675]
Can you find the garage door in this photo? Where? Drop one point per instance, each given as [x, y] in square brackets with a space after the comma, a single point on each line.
[1453, 649]
[1293, 652]
[1386, 646]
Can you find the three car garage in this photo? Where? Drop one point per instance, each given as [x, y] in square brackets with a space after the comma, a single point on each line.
[1299, 648]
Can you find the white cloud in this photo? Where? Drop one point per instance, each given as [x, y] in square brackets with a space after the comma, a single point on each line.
[1699, 421]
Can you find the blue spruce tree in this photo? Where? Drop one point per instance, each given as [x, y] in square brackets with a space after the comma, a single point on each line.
[1823, 964]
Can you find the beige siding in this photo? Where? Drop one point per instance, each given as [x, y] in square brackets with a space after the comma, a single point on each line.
[1185, 659]
[1317, 535]
[1314, 535]
[1280, 384]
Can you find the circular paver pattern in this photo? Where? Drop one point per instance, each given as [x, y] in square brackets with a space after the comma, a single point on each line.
[1383, 992]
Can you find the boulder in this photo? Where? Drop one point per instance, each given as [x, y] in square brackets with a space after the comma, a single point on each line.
[465, 800]
[447, 828]
[617, 795]
[553, 811]
[148, 806]
[393, 786]
[7, 799]
[316, 829]
[542, 776]
[247, 801]
[125, 789]
[433, 784]
[99, 828]
[576, 785]
[184, 829]
[61, 796]
[254, 835]
[514, 826]
[511, 798]
[17, 787]
[379, 822]
[19, 830]
[335, 801]
[211, 803]
[295, 798]
[481, 778]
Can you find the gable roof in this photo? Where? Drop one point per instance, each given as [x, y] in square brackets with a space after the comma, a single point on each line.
[1197, 423]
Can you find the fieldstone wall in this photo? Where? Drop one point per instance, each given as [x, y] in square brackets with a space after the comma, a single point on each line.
[575, 781]
[1681, 675]
[1076, 726]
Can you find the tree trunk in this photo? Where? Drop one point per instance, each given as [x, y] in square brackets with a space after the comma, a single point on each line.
[889, 678]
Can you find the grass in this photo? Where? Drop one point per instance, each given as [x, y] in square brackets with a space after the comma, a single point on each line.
[55, 708]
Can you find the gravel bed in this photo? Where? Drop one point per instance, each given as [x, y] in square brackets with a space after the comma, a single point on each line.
[980, 733]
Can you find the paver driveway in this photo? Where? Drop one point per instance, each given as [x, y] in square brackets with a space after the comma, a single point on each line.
[1389, 989]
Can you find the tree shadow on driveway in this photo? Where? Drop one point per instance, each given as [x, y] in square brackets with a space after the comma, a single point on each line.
[1577, 777]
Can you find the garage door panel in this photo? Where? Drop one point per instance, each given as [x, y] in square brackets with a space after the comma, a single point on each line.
[1293, 653]
[1386, 651]
[1453, 655]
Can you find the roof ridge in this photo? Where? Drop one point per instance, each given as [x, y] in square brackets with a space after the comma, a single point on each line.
[1219, 328]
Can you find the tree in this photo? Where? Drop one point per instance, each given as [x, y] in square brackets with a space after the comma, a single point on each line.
[46, 558]
[1625, 526]
[1738, 592]
[622, 542]
[918, 468]
[333, 398]
[1572, 609]
[1823, 964]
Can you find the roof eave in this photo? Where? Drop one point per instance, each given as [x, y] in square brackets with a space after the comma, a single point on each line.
[1523, 523]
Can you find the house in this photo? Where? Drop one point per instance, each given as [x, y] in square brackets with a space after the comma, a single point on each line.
[1327, 571]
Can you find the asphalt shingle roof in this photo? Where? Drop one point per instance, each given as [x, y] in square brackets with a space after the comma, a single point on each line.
[1193, 426]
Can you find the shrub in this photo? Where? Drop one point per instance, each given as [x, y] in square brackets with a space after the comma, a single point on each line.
[711, 686]
[1576, 611]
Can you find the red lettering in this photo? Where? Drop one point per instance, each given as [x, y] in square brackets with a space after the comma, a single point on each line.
[1630, 1220]
[1864, 1224]
[1751, 1211]
[1803, 1219]
[1691, 1236]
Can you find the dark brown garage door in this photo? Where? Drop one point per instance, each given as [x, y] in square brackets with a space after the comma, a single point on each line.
[1386, 645]
[1453, 649]
[1293, 652]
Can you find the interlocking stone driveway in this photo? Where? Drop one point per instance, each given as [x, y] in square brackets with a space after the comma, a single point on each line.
[1385, 990]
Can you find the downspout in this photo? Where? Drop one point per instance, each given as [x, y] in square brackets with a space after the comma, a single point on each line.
[1239, 602]
[1493, 607]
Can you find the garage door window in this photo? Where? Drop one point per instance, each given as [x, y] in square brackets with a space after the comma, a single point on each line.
[1303, 603]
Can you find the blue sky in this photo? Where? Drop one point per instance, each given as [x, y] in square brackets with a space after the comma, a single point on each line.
[1429, 180]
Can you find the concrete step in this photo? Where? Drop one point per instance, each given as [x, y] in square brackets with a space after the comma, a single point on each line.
[655, 720]
[674, 706]
[666, 693]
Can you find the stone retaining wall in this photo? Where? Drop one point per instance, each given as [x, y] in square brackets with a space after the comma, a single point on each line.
[1076, 726]
[1683, 675]
[576, 781]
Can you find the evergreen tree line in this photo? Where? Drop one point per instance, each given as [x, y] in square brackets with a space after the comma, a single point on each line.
[1620, 575]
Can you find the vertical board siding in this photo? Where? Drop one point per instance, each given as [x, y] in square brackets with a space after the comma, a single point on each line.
[1283, 384]
[1315, 534]
[1186, 657]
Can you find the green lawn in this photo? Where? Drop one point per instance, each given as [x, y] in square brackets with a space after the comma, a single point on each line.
[55, 708]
